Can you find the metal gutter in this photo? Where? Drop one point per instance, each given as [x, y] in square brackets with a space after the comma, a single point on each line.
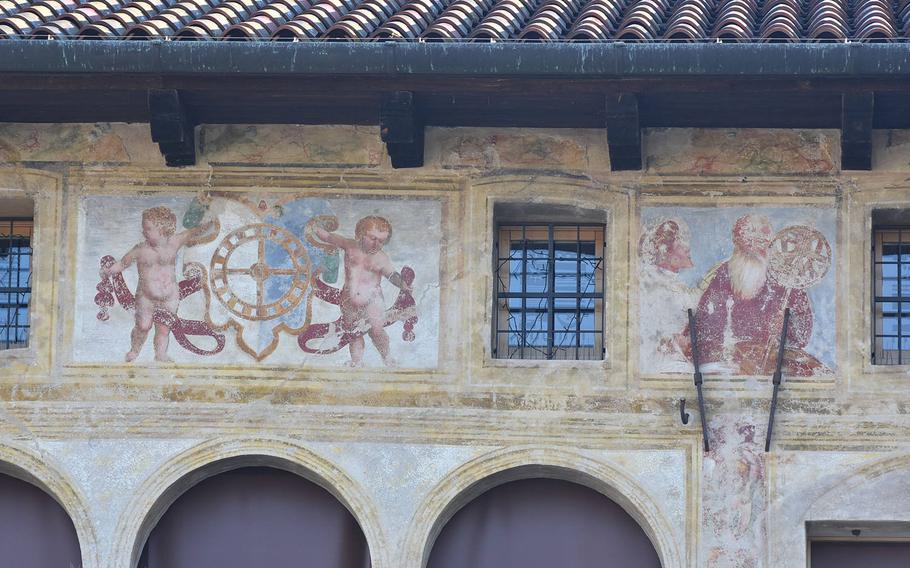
[578, 60]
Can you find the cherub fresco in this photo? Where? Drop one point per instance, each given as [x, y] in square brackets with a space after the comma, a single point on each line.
[156, 264]
[740, 302]
[362, 303]
[260, 279]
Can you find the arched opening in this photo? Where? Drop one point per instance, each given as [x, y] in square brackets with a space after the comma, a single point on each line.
[35, 531]
[542, 522]
[256, 516]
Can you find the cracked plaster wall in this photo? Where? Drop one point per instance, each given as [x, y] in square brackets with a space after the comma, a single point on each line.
[109, 441]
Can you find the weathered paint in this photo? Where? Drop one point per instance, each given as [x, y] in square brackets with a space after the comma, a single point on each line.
[400, 447]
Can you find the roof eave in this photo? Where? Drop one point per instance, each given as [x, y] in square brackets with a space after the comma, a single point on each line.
[508, 59]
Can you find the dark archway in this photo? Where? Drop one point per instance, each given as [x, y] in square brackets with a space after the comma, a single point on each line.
[846, 554]
[35, 531]
[540, 523]
[256, 516]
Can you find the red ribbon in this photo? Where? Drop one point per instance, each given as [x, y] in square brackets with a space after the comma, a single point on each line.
[404, 303]
[112, 286]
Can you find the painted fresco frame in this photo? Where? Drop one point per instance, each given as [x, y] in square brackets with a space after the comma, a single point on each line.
[722, 192]
[129, 181]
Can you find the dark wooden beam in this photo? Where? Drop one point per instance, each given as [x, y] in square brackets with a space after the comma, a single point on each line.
[856, 130]
[171, 127]
[623, 132]
[401, 129]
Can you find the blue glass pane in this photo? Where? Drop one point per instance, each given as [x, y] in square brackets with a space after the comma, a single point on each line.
[890, 252]
[888, 308]
[889, 326]
[889, 287]
[889, 270]
[587, 321]
[889, 343]
[537, 275]
[565, 321]
[587, 339]
[566, 276]
[515, 252]
[536, 339]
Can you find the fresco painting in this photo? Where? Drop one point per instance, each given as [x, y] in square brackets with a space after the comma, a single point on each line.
[275, 278]
[738, 269]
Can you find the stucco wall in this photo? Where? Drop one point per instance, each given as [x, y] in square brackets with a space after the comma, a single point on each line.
[402, 447]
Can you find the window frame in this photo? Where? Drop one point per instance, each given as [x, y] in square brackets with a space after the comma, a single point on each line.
[501, 298]
[878, 301]
[7, 329]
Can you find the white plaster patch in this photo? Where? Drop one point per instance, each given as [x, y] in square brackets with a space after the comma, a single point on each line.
[110, 472]
[398, 476]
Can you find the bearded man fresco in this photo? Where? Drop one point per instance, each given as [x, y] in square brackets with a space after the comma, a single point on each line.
[742, 304]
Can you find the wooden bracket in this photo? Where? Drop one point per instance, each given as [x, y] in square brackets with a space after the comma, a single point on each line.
[623, 132]
[171, 127]
[401, 129]
[856, 130]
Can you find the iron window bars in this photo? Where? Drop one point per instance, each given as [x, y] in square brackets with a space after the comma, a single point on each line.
[891, 300]
[548, 301]
[15, 281]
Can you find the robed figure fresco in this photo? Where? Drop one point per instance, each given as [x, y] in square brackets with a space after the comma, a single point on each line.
[740, 301]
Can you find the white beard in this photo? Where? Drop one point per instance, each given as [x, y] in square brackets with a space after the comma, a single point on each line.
[747, 274]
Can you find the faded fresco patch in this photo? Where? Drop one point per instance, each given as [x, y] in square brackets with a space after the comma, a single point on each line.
[224, 277]
[740, 151]
[98, 142]
[491, 148]
[290, 144]
[738, 269]
[734, 478]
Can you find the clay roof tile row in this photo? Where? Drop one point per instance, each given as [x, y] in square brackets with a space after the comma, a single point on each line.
[441, 20]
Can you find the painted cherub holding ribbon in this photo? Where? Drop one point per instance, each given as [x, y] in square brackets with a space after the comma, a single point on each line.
[365, 264]
[156, 263]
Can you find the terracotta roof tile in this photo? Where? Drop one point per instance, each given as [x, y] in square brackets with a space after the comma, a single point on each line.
[464, 20]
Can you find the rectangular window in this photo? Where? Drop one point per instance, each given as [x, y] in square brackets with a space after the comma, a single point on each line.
[549, 291]
[891, 292]
[15, 281]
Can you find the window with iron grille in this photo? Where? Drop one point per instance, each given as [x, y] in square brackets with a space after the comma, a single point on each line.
[891, 292]
[549, 291]
[15, 281]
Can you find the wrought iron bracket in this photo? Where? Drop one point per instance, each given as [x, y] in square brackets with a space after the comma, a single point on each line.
[171, 127]
[777, 377]
[693, 339]
[401, 128]
[683, 415]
